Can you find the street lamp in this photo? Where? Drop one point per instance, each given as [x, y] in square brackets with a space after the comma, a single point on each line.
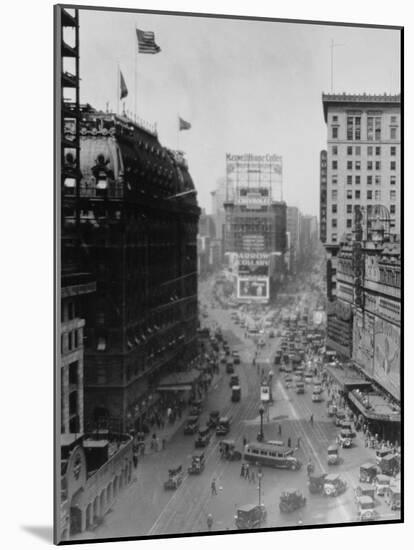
[259, 476]
[260, 435]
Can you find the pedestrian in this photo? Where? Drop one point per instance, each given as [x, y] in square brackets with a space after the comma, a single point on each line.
[246, 471]
[242, 470]
[289, 442]
[279, 430]
[311, 419]
[213, 487]
[298, 444]
[244, 441]
[135, 459]
[209, 522]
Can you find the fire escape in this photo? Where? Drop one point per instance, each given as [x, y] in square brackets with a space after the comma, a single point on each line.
[69, 113]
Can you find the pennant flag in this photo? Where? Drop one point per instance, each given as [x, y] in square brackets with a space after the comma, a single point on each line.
[184, 125]
[124, 89]
[146, 42]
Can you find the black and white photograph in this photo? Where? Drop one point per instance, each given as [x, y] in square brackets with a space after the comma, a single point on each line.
[229, 274]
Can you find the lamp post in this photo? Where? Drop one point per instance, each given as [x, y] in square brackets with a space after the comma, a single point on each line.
[259, 476]
[260, 435]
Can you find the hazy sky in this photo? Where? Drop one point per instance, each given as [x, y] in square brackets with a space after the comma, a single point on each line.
[245, 86]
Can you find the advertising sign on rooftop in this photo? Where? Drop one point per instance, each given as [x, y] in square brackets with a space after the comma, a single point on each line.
[253, 288]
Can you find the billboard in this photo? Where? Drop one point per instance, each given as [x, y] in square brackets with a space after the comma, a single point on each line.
[387, 360]
[256, 179]
[253, 288]
[253, 243]
[253, 264]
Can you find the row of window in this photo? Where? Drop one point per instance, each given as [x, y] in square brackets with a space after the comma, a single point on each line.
[356, 150]
[357, 194]
[349, 223]
[350, 207]
[373, 129]
[371, 165]
[350, 179]
[70, 340]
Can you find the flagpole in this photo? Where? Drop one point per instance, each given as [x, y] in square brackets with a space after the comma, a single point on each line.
[118, 86]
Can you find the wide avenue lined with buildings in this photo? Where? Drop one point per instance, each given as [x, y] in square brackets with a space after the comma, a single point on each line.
[237, 369]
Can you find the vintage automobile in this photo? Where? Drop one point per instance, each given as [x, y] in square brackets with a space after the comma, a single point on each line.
[228, 451]
[366, 508]
[223, 427]
[288, 380]
[316, 482]
[300, 387]
[191, 425]
[291, 500]
[346, 438]
[364, 490]
[332, 410]
[380, 453]
[333, 455]
[317, 388]
[393, 497]
[367, 472]
[388, 464]
[334, 485]
[203, 438]
[234, 380]
[236, 357]
[175, 478]
[250, 516]
[230, 366]
[197, 464]
[235, 394]
[308, 378]
[196, 407]
[213, 419]
[316, 397]
[340, 416]
[382, 482]
[278, 358]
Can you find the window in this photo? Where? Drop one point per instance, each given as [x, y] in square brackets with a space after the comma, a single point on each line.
[369, 165]
[393, 195]
[369, 150]
[393, 133]
[334, 195]
[353, 128]
[349, 194]
[393, 151]
[369, 195]
[349, 180]
[377, 195]
[334, 208]
[334, 132]
[349, 165]
[101, 376]
[76, 339]
[392, 209]
[357, 180]
[334, 180]
[349, 222]
[334, 222]
[378, 180]
[335, 118]
[358, 151]
[377, 165]
[101, 344]
[393, 119]
[349, 208]
[392, 165]
[334, 165]
[334, 150]
[349, 150]
[369, 180]
[357, 194]
[334, 237]
[70, 341]
[373, 128]
[393, 180]
[378, 151]
[357, 165]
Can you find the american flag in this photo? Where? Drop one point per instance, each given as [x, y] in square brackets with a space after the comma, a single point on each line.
[146, 42]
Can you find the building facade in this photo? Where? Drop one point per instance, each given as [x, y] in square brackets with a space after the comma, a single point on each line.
[138, 220]
[293, 228]
[362, 165]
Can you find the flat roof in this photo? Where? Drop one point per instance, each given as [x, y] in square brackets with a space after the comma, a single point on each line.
[358, 99]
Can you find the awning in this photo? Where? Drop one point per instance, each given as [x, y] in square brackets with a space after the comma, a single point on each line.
[372, 414]
[174, 388]
[347, 379]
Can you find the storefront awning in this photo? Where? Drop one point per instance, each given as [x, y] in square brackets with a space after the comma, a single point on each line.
[346, 378]
[182, 387]
[375, 413]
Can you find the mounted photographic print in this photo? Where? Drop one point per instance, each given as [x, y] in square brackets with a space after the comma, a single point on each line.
[228, 274]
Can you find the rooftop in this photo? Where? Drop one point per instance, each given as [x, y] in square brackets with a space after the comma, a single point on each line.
[364, 98]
